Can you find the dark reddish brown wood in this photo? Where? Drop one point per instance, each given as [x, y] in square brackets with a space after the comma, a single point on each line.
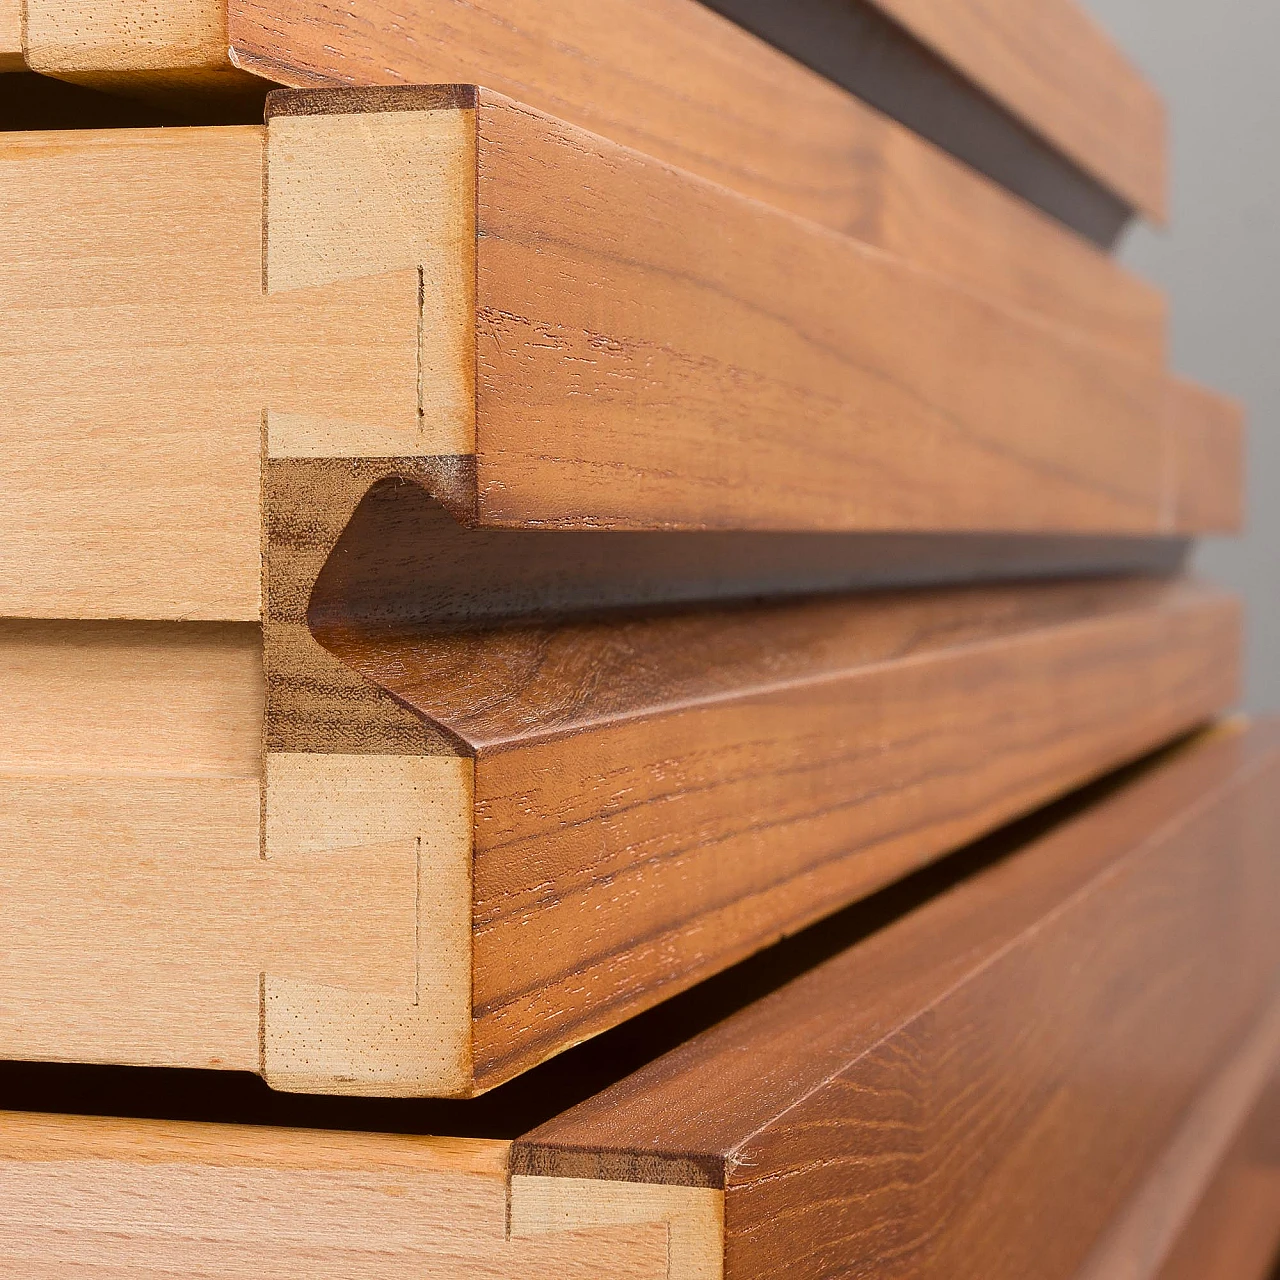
[976, 1090]
[1234, 1233]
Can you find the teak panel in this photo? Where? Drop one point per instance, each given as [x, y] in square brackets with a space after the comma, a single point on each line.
[1053, 66]
[565, 821]
[1234, 1233]
[1019, 1054]
[669, 78]
[1205, 1148]
[857, 46]
[473, 286]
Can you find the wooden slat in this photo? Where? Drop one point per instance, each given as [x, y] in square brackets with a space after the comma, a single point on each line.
[976, 1089]
[1234, 1233]
[483, 845]
[669, 78]
[582, 387]
[856, 45]
[1053, 66]
[973, 1088]
[1208, 459]
[1196, 1159]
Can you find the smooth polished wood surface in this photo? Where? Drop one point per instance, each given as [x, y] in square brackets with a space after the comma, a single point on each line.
[669, 78]
[1207, 459]
[1054, 67]
[1196, 1161]
[575, 387]
[1234, 1233]
[573, 818]
[174, 52]
[976, 1089]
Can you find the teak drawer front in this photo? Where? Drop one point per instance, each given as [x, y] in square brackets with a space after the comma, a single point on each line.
[547, 330]
[1053, 67]
[669, 77]
[978, 1088]
[1234, 1233]
[628, 804]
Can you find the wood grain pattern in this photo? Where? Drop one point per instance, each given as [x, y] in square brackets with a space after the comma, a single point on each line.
[122, 258]
[743, 792]
[814, 335]
[1234, 1233]
[1019, 1052]
[1054, 67]
[135, 1200]
[740, 398]
[669, 78]
[615, 817]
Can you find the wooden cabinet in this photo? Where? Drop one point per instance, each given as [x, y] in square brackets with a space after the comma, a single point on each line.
[598, 663]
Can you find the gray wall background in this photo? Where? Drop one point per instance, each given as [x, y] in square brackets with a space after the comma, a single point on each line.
[1215, 63]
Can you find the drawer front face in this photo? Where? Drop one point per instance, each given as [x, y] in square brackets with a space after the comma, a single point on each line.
[983, 1087]
[573, 334]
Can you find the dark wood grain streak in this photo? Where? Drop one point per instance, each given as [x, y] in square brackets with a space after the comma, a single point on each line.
[678, 82]
[976, 1090]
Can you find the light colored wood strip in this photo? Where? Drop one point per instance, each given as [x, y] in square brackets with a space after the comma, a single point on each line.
[11, 36]
[135, 491]
[1050, 64]
[174, 52]
[364, 194]
[159, 699]
[694, 1216]
[146, 926]
[339, 1036]
[137, 1200]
